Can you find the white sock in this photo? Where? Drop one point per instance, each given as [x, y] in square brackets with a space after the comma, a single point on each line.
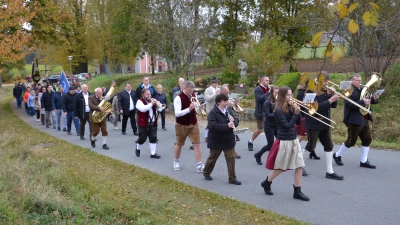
[104, 139]
[199, 163]
[364, 156]
[342, 149]
[152, 148]
[206, 133]
[138, 146]
[251, 141]
[93, 138]
[328, 156]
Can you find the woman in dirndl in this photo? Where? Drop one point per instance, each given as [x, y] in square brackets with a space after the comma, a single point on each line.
[286, 152]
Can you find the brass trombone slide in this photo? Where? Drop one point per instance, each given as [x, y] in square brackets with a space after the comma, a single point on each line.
[312, 108]
[292, 103]
[349, 100]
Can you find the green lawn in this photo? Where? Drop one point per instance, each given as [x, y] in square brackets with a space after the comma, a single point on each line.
[307, 53]
[55, 69]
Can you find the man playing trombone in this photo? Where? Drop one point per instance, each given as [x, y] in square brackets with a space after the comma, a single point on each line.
[318, 130]
[357, 124]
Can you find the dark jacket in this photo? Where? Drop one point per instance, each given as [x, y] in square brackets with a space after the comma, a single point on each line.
[124, 101]
[260, 98]
[17, 92]
[57, 101]
[138, 93]
[175, 89]
[324, 109]
[352, 113]
[46, 101]
[268, 110]
[220, 136]
[300, 96]
[285, 124]
[69, 102]
[79, 106]
[162, 98]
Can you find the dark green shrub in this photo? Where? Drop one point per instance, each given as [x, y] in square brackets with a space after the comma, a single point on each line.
[288, 79]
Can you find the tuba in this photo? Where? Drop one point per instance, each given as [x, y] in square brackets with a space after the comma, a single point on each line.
[98, 116]
[375, 81]
[198, 106]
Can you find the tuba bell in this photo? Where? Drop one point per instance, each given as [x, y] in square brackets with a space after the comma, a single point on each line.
[375, 81]
[98, 116]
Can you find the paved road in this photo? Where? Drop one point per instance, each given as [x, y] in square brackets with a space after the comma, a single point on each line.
[365, 196]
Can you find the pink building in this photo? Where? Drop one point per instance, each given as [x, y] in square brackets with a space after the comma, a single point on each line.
[143, 65]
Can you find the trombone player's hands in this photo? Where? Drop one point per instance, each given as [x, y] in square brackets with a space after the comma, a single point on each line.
[334, 98]
[296, 109]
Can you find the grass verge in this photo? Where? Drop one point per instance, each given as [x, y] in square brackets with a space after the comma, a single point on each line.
[49, 181]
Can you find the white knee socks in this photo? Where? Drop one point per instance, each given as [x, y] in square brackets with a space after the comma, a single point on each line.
[152, 148]
[138, 146]
[104, 139]
[364, 154]
[328, 156]
[342, 149]
[206, 133]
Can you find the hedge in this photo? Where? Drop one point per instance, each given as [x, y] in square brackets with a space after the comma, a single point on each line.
[288, 79]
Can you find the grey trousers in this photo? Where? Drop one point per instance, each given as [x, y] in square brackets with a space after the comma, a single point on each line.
[47, 114]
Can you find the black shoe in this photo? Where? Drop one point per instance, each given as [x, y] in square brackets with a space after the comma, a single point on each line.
[69, 133]
[333, 176]
[338, 159]
[105, 147]
[267, 187]
[258, 158]
[78, 134]
[367, 165]
[207, 177]
[237, 138]
[304, 173]
[235, 182]
[250, 146]
[297, 194]
[82, 138]
[237, 156]
[313, 155]
[137, 153]
[155, 156]
[123, 133]
[135, 133]
[93, 143]
[64, 129]
[58, 129]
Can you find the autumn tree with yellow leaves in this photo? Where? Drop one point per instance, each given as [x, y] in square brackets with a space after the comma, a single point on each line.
[371, 30]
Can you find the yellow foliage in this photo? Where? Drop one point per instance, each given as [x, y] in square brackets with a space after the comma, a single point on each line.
[333, 11]
[376, 7]
[367, 18]
[329, 49]
[335, 57]
[316, 40]
[374, 18]
[353, 26]
[353, 7]
[342, 50]
[344, 1]
[304, 78]
[342, 9]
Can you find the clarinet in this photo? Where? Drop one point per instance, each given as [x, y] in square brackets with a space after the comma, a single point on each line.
[229, 116]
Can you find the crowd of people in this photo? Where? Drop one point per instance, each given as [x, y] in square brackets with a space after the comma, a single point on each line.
[283, 120]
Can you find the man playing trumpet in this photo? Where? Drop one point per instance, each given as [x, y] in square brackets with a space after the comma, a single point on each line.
[147, 122]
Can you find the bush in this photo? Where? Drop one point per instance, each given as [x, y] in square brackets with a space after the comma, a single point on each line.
[288, 79]
[391, 81]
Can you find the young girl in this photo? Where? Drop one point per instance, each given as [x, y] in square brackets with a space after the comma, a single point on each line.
[162, 98]
[37, 107]
[269, 123]
[289, 155]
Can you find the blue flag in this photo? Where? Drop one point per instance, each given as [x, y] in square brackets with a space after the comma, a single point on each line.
[64, 82]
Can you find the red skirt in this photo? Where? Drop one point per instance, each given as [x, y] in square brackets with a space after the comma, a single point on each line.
[273, 152]
[301, 129]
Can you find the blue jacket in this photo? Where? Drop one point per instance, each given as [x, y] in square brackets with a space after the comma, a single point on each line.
[161, 98]
[138, 92]
[31, 101]
[57, 101]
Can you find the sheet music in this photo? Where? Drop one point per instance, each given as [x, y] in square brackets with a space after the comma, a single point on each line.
[344, 85]
[309, 98]
[380, 92]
